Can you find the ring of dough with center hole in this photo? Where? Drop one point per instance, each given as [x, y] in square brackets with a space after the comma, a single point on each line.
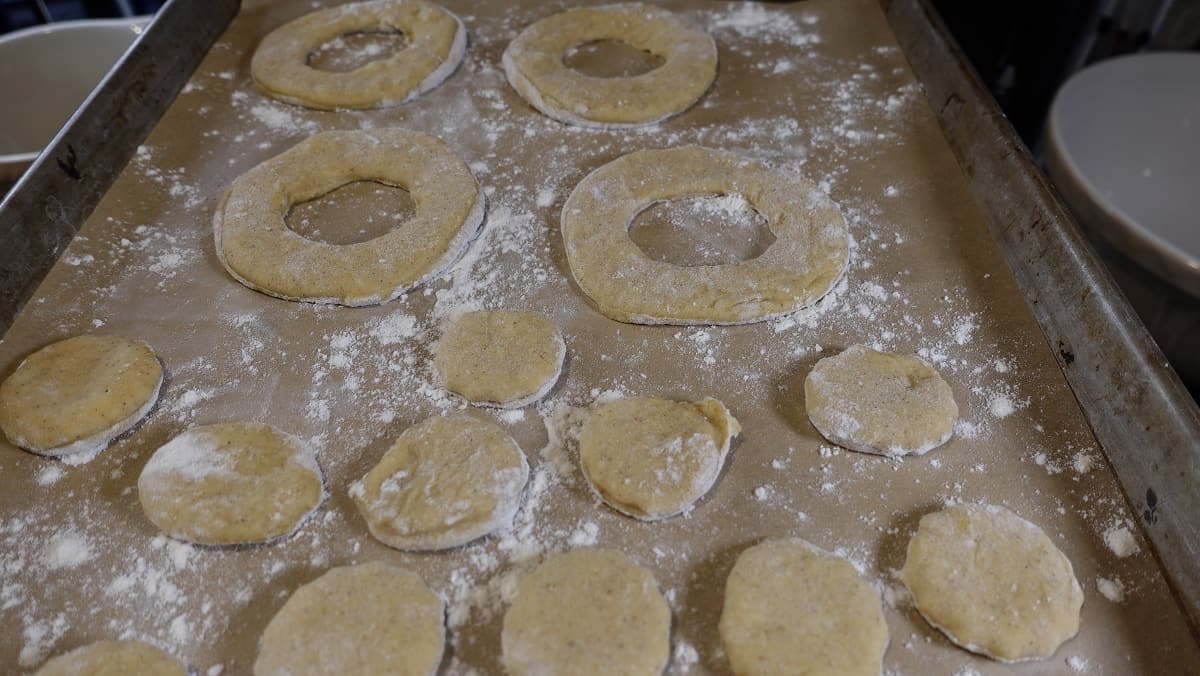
[653, 458]
[992, 582]
[373, 618]
[881, 403]
[77, 395]
[231, 483]
[500, 358]
[788, 603]
[113, 658]
[533, 63]
[445, 482]
[584, 612]
[437, 43]
[258, 249]
[807, 258]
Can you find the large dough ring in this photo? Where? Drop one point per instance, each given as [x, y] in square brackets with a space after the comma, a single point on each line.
[534, 65]
[437, 42]
[807, 258]
[259, 250]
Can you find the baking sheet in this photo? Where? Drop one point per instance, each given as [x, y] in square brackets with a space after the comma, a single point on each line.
[818, 87]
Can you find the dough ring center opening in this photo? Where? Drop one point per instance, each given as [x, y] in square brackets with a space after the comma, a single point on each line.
[698, 230]
[606, 58]
[354, 49]
[358, 211]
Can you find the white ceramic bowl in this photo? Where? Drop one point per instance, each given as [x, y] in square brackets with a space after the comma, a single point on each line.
[46, 72]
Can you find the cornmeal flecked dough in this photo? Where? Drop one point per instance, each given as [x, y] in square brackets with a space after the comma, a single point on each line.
[373, 618]
[113, 658]
[533, 63]
[807, 258]
[876, 402]
[791, 608]
[445, 482]
[652, 458]
[992, 582]
[77, 394]
[258, 249]
[505, 358]
[436, 45]
[586, 612]
[231, 483]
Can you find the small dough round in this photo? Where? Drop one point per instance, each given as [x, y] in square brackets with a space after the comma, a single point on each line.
[373, 618]
[805, 261]
[445, 482]
[113, 658]
[259, 250]
[876, 402]
[77, 395]
[436, 38]
[791, 608]
[501, 358]
[584, 612]
[231, 483]
[992, 582]
[533, 63]
[653, 458]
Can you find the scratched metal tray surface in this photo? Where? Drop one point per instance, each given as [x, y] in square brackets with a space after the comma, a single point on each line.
[960, 254]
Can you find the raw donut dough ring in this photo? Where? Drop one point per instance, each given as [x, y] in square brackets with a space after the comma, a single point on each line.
[807, 258]
[789, 603]
[585, 612]
[373, 618]
[437, 44]
[533, 63]
[992, 582]
[231, 483]
[258, 249]
[77, 395]
[500, 358]
[445, 482]
[113, 658]
[880, 403]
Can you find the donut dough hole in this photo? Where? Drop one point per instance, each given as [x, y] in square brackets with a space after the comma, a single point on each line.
[788, 603]
[77, 395]
[373, 618]
[436, 44]
[445, 482]
[876, 402]
[113, 658]
[231, 483]
[805, 261]
[502, 358]
[535, 67]
[585, 612]
[257, 248]
[652, 458]
[992, 582]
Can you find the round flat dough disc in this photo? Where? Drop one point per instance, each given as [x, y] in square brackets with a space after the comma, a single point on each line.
[113, 658]
[446, 481]
[533, 63]
[502, 358]
[791, 608]
[876, 402]
[653, 458]
[992, 582]
[259, 250]
[77, 395]
[585, 612]
[807, 258]
[373, 618]
[231, 483]
[436, 45]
